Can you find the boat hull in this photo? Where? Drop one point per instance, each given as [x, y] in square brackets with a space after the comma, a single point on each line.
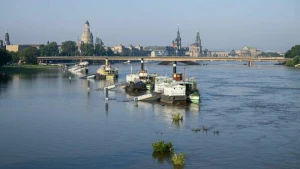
[105, 77]
[173, 99]
[194, 99]
[135, 87]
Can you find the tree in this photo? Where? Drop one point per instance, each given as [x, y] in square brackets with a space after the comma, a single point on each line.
[87, 49]
[51, 49]
[68, 48]
[99, 50]
[109, 52]
[5, 57]
[15, 56]
[294, 51]
[29, 55]
[269, 54]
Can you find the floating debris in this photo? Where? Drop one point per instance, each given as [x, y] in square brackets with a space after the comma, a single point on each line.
[217, 132]
[196, 130]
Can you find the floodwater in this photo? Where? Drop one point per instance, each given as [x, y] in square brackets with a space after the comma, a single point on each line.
[48, 121]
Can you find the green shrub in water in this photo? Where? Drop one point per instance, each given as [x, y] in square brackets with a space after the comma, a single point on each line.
[162, 147]
[178, 159]
[196, 130]
[176, 117]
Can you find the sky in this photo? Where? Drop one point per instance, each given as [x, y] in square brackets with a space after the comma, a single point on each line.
[269, 25]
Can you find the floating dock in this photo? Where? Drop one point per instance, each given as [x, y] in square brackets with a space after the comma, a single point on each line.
[148, 97]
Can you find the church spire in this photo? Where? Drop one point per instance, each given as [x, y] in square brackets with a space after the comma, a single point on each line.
[198, 40]
[7, 42]
[178, 33]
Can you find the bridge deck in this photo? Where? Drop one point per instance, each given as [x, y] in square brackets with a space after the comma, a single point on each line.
[167, 58]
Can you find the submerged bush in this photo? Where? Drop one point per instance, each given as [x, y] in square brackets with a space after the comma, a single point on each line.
[196, 130]
[178, 159]
[162, 147]
[176, 117]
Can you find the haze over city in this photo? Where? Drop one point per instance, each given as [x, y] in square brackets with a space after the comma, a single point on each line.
[270, 25]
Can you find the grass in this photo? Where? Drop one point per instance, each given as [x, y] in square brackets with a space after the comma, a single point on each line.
[176, 117]
[162, 147]
[178, 159]
[24, 68]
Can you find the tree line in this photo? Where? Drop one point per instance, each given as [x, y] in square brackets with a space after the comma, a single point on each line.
[68, 48]
[294, 53]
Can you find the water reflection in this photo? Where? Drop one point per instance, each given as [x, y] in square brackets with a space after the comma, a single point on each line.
[106, 107]
[4, 81]
[162, 157]
[104, 83]
[178, 167]
[165, 112]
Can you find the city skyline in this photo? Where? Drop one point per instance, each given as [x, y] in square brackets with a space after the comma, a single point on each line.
[268, 25]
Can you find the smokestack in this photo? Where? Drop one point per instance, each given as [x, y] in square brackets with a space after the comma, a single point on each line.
[106, 61]
[142, 64]
[174, 67]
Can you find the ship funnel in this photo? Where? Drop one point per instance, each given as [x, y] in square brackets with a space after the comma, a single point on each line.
[174, 67]
[142, 63]
[176, 76]
[106, 62]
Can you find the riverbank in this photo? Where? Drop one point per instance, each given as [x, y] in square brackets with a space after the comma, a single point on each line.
[25, 68]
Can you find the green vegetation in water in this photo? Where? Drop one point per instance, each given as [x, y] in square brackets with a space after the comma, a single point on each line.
[205, 128]
[195, 130]
[162, 147]
[178, 159]
[176, 117]
[217, 132]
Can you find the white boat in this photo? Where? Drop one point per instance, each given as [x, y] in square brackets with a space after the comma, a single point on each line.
[91, 77]
[80, 67]
[177, 90]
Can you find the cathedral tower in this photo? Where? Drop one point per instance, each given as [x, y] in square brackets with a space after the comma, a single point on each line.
[87, 36]
[178, 39]
[198, 42]
[7, 42]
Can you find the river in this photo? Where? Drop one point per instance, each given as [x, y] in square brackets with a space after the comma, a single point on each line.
[48, 121]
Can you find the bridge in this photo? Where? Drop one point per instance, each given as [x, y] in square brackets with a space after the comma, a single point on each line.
[166, 58]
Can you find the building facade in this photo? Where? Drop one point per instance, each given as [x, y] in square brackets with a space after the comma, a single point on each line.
[195, 49]
[250, 51]
[87, 36]
[98, 41]
[16, 48]
[131, 50]
[246, 52]
[208, 53]
[155, 53]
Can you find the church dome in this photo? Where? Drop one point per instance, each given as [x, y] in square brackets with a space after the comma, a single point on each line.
[87, 36]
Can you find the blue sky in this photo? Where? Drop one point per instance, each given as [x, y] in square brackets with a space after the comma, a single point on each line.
[224, 24]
